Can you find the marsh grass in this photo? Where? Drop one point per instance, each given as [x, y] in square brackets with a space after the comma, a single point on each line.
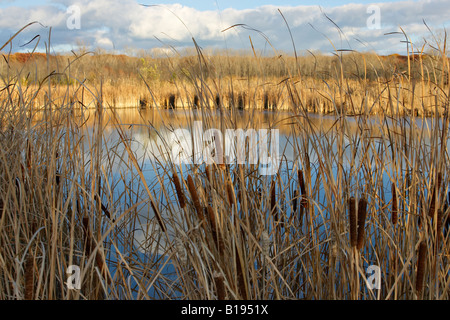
[71, 196]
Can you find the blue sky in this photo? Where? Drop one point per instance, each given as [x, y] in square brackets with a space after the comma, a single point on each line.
[125, 25]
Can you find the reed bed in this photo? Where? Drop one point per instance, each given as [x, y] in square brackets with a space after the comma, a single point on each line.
[74, 191]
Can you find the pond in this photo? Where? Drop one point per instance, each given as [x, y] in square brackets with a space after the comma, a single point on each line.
[340, 157]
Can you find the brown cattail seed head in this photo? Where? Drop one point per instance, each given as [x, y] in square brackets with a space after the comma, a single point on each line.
[29, 278]
[273, 200]
[394, 212]
[195, 198]
[362, 213]
[294, 201]
[301, 181]
[179, 191]
[421, 267]
[230, 193]
[220, 286]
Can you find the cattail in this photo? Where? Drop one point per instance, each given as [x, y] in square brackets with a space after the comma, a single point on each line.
[362, 213]
[220, 286]
[210, 172]
[230, 192]
[353, 221]
[294, 201]
[178, 190]
[195, 197]
[211, 217]
[29, 278]
[273, 200]
[421, 267]
[212, 221]
[217, 236]
[301, 181]
[394, 212]
[18, 189]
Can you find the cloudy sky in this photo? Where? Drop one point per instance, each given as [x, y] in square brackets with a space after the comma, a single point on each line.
[121, 25]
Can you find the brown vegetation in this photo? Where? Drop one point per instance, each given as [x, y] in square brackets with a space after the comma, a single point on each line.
[74, 189]
[365, 82]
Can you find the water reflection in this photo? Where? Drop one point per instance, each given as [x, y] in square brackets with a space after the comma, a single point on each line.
[151, 135]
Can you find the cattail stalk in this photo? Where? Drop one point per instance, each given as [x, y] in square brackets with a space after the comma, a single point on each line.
[209, 170]
[294, 201]
[421, 267]
[420, 211]
[220, 286]
[394, 210]
[362, 213]
[195, 198]
[353, 221]
[301, 181]
[179, 191]
[230, 193]
[215, 235]
[29, 278]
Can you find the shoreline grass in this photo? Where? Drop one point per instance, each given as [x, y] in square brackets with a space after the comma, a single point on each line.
[74, 190]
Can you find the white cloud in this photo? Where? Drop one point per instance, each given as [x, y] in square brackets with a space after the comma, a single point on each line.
[130, 24]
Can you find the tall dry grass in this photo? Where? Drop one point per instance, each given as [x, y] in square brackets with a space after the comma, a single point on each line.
[74, 191]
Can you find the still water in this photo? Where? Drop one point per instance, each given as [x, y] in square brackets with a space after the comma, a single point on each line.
[153, 135]
[319, 141]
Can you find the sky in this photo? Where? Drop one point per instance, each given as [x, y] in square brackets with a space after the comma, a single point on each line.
[127, 26]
